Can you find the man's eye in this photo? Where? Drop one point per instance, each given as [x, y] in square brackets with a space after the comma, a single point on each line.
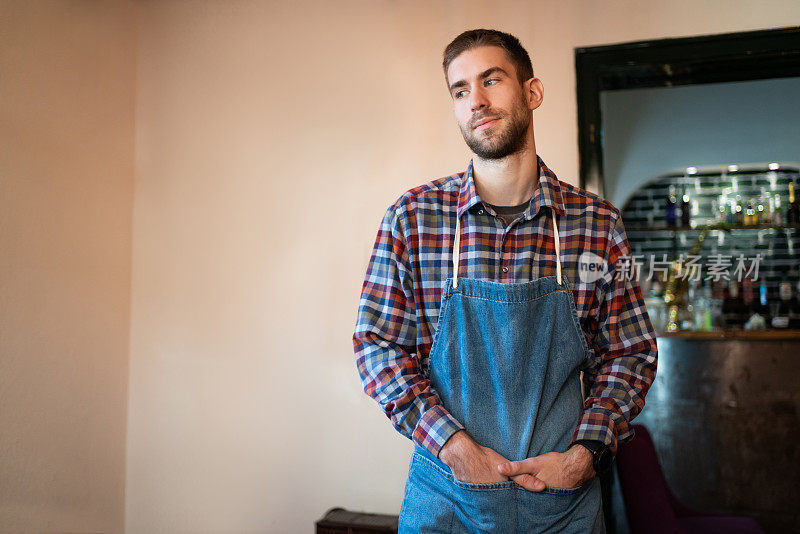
[490, 81]
[459, 94]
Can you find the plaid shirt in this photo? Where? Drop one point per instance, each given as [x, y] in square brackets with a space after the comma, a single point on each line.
[411, 259]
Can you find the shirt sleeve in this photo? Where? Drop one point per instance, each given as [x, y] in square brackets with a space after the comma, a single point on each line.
[385, 344]
[623, 352]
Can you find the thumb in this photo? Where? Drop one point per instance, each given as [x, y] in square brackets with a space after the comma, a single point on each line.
[523, 473]
[510, 469]
[529, 482]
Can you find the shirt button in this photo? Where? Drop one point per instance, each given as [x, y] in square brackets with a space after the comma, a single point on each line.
[505, 269]
[480, 212]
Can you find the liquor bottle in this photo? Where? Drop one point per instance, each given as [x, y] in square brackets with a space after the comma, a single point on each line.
[672, 207]
[762, 308]
[686, 208]
[703, 307]
[738, 217]
[656, 307]
[777, 215]
[791, 208]
[750, 214]
[765, 207]
[796, 207]
[780, 319]
[755, 319]
[794, 311]
[748, 297]
[718, 207]
[717, 300]
[718, 291]
[732, 305]
[686, 315]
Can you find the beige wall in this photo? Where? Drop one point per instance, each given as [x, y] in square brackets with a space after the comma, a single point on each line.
[270, 137]
[67, 95]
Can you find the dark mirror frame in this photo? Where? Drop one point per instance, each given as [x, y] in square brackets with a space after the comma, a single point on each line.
[728, 57]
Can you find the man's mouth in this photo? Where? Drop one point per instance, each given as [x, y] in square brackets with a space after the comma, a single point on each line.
[486, 123]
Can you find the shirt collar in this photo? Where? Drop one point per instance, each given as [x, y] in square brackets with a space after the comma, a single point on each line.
[547, 192]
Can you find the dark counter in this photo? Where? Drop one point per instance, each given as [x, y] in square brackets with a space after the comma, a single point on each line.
[723, 412]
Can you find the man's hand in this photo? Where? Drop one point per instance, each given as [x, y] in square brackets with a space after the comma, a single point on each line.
[561, 470]
[469, 461]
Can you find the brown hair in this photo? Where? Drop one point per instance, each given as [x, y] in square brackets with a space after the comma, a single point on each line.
[515, 53]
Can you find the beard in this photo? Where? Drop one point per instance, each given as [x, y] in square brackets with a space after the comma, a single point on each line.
[500, 144]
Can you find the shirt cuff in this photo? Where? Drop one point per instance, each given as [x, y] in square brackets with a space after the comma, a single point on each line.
[595, 426]
[435, 428]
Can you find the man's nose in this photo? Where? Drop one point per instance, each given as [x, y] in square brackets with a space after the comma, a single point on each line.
[479, 99]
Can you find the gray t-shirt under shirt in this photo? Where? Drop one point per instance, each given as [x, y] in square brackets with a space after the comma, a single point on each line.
[509, 213]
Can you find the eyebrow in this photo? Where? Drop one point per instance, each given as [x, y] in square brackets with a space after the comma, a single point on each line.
[483, 75]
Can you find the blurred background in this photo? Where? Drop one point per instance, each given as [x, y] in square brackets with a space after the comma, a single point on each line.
[189, 193]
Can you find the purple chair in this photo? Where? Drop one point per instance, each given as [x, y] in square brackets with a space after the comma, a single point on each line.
[651, 506]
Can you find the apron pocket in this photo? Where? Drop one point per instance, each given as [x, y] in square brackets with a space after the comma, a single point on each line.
[440, 503]
[561, 491]
[484, 486]
[484, 507]
[427, 506]
[563, 510]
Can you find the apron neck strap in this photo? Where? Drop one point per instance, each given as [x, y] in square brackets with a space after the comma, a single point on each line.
[457, 249]
[557, 245]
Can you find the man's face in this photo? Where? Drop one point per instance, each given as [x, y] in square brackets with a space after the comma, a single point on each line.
[492, 110]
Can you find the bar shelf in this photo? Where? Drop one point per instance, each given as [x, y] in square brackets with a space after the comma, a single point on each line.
[769, 334]
[720, 226]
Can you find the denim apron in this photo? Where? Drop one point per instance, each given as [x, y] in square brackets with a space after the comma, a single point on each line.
[505, 362]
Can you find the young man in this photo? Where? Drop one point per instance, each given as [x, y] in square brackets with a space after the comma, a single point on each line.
[476, 322]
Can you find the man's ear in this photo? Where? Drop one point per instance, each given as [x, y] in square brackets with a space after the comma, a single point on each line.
[534, 92]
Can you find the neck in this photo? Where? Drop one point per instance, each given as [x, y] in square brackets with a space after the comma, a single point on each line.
[509, 181]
